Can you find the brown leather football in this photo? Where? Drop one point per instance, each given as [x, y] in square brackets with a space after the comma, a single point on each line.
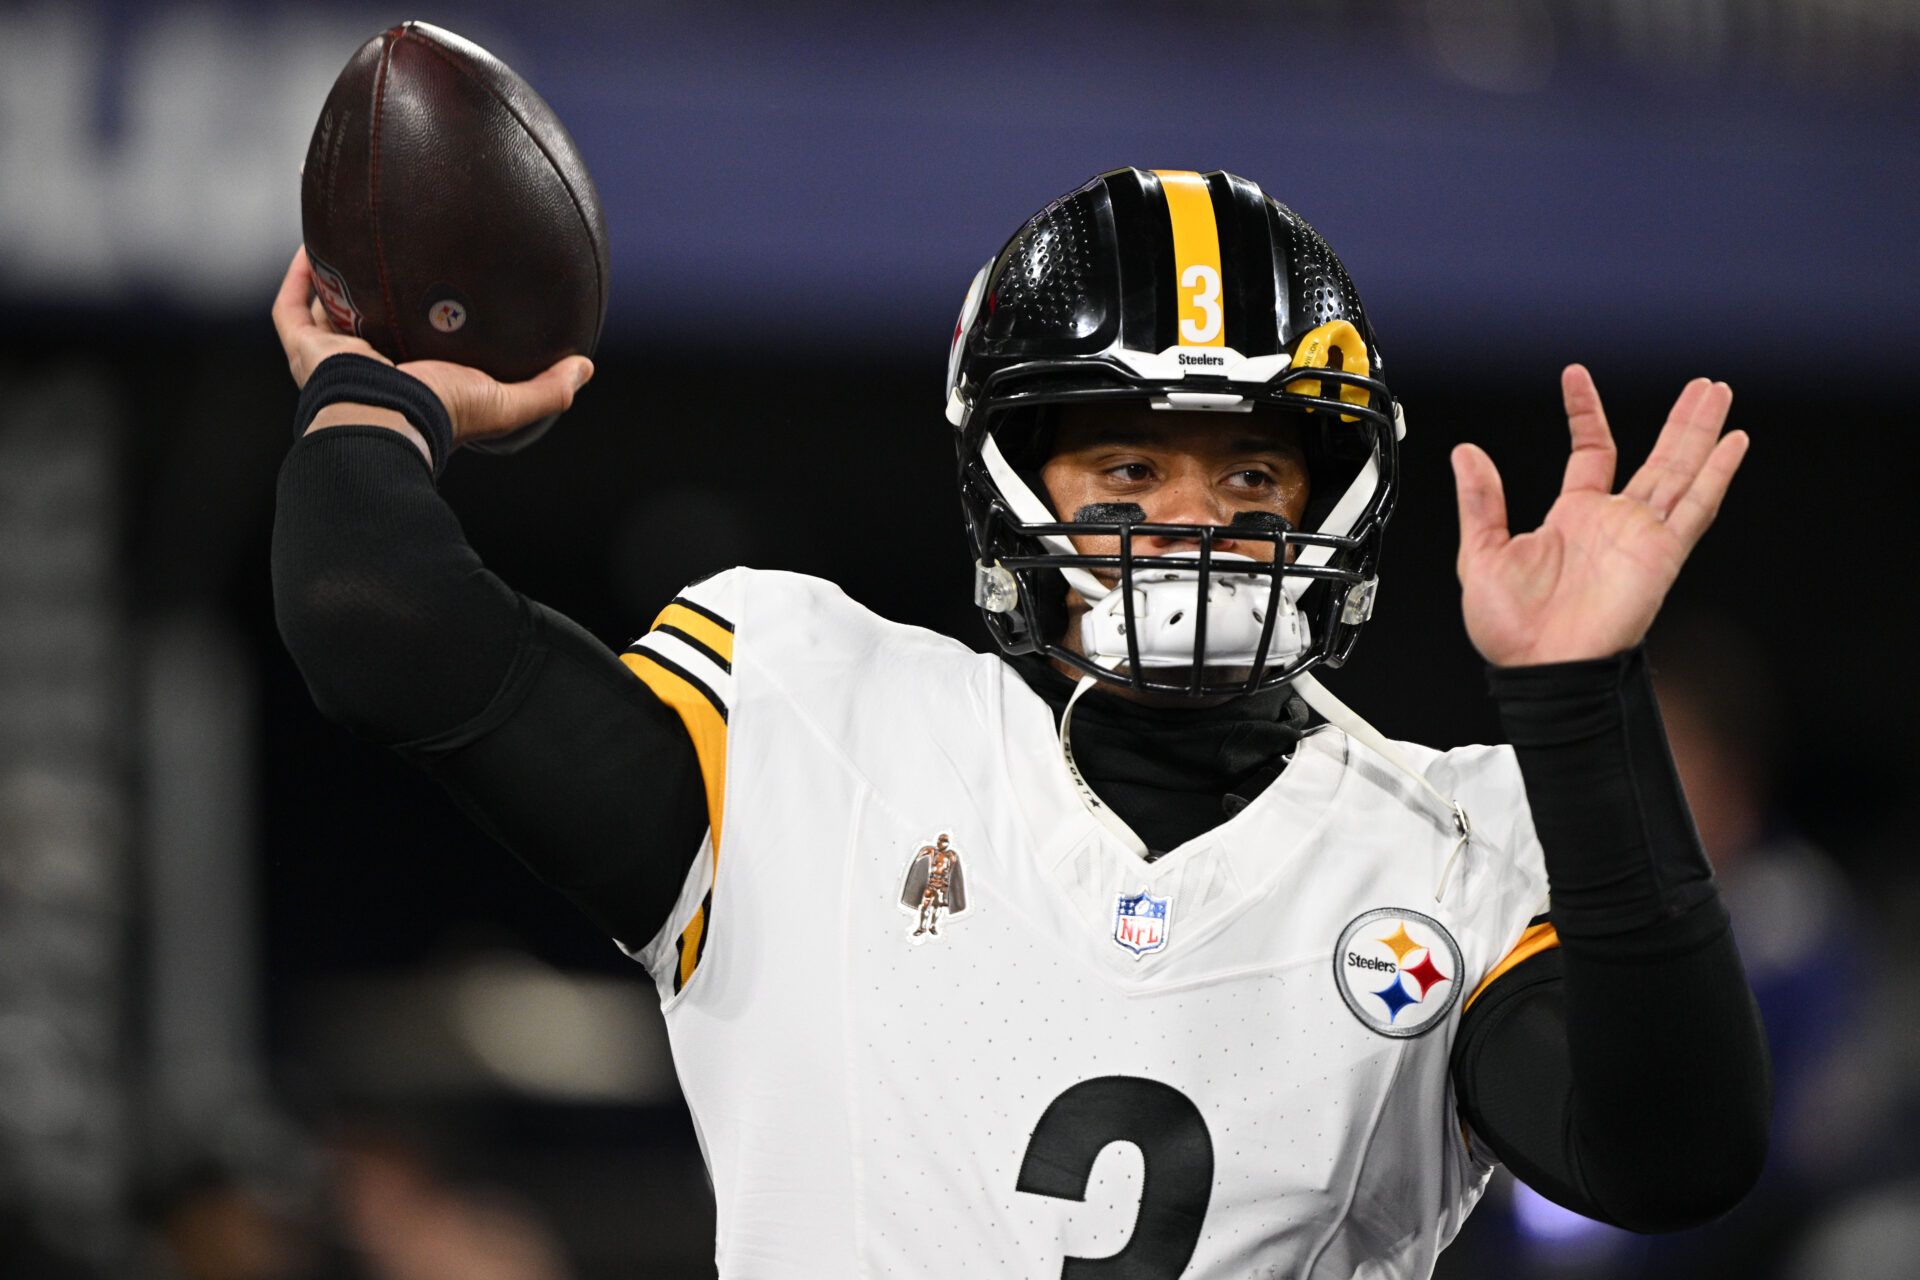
[447, 213]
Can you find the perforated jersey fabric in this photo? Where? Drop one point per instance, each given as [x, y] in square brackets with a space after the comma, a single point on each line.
[877, 1101]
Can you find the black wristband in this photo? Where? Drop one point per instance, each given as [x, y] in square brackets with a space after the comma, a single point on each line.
[354, 379]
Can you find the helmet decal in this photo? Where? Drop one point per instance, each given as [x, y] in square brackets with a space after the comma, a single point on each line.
[1316, 351]
[1196, 258]
[968, 310]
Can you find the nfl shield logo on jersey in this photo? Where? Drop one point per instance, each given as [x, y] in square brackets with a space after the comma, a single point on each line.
[1140, 922]
[1398, 970]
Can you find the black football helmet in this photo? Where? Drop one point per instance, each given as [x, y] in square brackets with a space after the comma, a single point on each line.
[1192, 292]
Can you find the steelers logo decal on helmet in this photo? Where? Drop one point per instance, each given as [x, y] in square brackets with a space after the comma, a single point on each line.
[1398, 970]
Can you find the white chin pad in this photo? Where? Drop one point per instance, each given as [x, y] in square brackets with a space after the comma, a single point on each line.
[1166, 611]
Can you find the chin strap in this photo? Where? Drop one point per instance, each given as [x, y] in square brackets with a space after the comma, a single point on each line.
[1025, 504]
[1349, 721]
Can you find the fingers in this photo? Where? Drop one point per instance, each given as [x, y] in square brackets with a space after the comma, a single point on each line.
[1483, 503]
[1590, 465]
[1683, 447]
[306, 333]
[290, 314]
[1694, 512]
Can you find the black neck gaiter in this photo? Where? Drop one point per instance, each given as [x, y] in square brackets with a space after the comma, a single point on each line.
[1173, 772]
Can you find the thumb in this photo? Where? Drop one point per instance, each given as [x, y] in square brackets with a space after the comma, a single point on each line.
[577, 370]
[483, 408]
[1483, 502]
[547, 393]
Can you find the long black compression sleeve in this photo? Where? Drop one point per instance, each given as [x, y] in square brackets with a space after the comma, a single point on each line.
[1624, 1074]
[529, 722]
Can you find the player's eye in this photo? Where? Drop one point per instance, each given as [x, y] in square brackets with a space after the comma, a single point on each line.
[1131, 472]
[1251, 478]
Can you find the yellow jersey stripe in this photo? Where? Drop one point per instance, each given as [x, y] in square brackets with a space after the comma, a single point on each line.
[699, 626]
[1196, 258]
[1537, 938]
[700, 711]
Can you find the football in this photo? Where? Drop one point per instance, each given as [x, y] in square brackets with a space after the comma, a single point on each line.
[447, 213]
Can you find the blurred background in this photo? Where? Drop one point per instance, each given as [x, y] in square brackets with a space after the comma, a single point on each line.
[271, 1010]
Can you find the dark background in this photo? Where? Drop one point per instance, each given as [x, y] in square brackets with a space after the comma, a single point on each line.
[256, 975]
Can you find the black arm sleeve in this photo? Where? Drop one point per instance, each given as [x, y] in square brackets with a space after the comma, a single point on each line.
[1623, 1075]
[529, 722]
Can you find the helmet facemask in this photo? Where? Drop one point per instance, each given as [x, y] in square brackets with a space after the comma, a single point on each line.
[1202, 622]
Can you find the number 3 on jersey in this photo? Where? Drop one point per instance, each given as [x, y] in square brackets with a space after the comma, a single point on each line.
[1175, 1148]
[1200, 311]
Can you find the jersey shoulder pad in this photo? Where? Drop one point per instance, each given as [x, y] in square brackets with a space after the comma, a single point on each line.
[808, 634]
[800, 634]
[690, 645]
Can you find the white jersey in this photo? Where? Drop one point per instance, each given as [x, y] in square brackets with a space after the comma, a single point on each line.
[933, 1018]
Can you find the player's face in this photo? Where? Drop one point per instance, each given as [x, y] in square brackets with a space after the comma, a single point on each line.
[1180, 468]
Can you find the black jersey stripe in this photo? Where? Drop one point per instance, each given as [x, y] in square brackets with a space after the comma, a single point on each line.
[693, 681]
[706, 912]
[697, 929]
[698, 645]
[704, 612]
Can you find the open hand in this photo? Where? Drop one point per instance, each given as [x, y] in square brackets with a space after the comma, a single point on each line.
[1588, 582]
[481, 407]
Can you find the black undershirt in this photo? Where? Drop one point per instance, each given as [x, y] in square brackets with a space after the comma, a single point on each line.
[1173, 772]
[1622, 1075]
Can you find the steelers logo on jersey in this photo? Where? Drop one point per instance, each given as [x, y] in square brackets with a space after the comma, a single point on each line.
[1398, 970]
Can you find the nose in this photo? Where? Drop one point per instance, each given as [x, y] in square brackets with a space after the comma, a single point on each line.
[1185, 499]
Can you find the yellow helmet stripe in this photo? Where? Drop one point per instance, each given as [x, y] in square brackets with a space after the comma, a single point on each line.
[1196, 258]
